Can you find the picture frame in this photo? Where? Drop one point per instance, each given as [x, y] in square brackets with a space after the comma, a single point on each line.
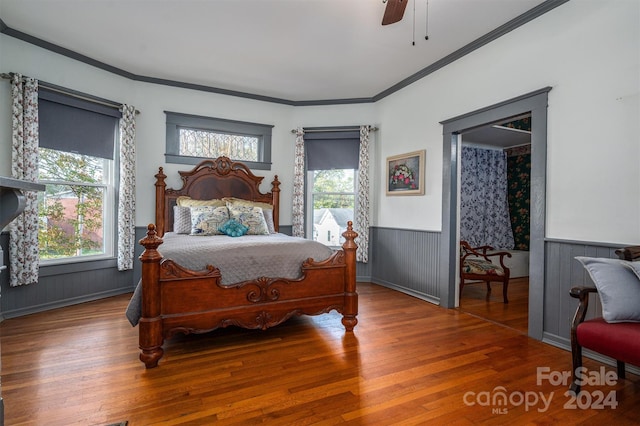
[405, 173]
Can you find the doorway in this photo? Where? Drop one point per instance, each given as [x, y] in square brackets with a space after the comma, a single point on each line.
[534, 103]
[494, 206]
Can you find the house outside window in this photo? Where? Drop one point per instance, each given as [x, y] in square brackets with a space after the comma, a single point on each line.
[77, 210]
[191, 139]
[332, 201]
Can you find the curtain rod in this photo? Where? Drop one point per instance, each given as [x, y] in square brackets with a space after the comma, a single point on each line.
[72, 93]
[344, 129]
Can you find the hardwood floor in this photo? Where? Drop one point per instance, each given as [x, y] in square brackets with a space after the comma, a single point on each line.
[514, 314]
[408, 363]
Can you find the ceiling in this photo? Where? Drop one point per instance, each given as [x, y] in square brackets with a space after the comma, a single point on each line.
[295, 50]
[500, 135]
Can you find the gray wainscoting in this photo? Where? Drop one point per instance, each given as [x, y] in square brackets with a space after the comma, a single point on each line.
[561, 273]
[406, 260]
[62, 285]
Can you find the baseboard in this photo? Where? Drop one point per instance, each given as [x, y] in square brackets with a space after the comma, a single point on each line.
[65, 303]
[410, 292]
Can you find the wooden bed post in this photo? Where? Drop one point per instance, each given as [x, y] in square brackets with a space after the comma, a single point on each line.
[350, 310]
[150, 332]
[275, 191]
[161, 187]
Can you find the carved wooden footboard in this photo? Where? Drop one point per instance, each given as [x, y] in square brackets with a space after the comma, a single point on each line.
[179, 300]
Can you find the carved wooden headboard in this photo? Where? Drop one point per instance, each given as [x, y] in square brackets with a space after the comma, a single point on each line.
[216, 178]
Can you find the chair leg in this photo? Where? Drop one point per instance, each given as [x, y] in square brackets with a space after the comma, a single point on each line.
[488, 290]
[621, 370]
[505, 286]
[576, 357]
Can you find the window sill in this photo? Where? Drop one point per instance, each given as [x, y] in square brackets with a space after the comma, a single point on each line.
[59, 268]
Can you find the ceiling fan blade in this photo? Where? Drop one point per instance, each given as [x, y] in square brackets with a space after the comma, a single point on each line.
[394, 11]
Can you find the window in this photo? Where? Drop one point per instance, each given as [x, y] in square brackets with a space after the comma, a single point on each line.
[332, 164]
[332, 200]
[76, 164]
[191, 139]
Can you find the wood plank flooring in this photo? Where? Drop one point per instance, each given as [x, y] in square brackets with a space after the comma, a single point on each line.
[408, 363]
[514, 314]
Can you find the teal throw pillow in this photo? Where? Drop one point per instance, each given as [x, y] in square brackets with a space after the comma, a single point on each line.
[233, 228]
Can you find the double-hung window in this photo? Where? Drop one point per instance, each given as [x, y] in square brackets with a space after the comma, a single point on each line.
[191, 139]
[332, 164]
[76, 163]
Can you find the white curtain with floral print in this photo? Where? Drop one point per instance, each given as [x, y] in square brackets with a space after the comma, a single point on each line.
[362, 213]
[126, 200]
[484, 207]
[24, 255]
[298, 185]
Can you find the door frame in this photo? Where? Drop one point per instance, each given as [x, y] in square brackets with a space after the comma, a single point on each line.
[536, 104]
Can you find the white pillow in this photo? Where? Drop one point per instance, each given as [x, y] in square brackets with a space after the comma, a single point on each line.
[618, 286]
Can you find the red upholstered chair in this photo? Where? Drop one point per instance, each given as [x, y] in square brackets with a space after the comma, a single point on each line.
[617, 340]
[476, 266]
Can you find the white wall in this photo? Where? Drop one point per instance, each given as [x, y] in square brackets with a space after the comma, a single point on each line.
[587, 51]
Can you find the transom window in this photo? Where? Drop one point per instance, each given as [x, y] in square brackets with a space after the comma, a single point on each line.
[207, 143]
[192, 138]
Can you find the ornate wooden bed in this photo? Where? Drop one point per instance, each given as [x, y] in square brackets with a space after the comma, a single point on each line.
[179, 300]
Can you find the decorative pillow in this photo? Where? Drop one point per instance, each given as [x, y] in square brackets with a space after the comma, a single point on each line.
[267, 209]
[251, 217]
[185, 201]
[233, 228]
[481, 267]
[181, 220]
[205, 220]
[268, 217]
[241, 202]
[618, 287]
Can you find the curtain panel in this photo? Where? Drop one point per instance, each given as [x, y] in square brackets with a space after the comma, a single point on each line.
[24, 254]
[126, 200]
[362, 213]
[298, 185]
[484, 208]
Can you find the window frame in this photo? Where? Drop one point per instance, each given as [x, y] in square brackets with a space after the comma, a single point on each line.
[176, 120]
[109, 214]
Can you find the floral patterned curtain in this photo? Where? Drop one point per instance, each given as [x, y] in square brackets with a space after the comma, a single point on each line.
[484, 209]
[126, 200]
[298, 186]
[362, 198]
[23, 231]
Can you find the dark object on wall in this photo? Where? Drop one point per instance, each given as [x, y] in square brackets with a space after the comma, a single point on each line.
[394, 11]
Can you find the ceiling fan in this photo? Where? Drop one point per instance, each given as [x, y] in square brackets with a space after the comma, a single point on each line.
[394, 11]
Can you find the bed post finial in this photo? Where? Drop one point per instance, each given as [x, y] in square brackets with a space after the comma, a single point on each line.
[350, 311]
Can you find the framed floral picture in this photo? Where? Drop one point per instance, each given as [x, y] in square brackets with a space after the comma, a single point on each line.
[405, 174]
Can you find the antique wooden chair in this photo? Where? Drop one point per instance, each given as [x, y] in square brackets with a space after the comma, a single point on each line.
[476, 266]
[615, 333]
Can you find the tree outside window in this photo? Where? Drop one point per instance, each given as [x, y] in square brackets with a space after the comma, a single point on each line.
[72, 209]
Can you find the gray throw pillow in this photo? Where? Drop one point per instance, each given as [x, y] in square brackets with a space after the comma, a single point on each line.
[618, 287]
[181, 220]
